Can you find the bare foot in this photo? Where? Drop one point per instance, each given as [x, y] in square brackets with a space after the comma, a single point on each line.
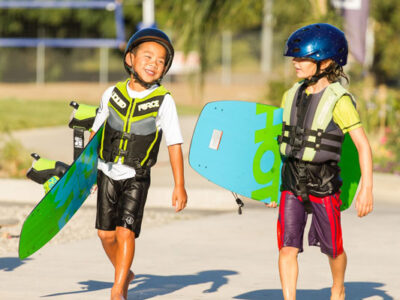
[117, 297]
[131, 277]
[117, 293]
[338, 296]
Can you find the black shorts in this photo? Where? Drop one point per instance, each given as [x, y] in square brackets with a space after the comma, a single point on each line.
[121, 202]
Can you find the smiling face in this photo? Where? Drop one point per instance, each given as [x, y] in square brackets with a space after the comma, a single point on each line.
[148, 61]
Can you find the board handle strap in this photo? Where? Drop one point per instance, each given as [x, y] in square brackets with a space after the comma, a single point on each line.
[239, 202]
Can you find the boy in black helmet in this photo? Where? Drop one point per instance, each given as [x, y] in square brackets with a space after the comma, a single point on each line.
[317, 112]
[136, 113]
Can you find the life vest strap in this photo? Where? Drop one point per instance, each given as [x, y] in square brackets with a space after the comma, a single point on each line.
[319, 134]
[302, 187]
[299, 143]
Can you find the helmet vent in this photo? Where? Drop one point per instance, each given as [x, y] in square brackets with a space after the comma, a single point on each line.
[297, 41]
[296, 50]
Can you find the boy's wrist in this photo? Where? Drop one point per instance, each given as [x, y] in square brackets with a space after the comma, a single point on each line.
[366, 187]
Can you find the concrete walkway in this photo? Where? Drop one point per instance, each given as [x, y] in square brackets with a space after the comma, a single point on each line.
[223, 256]
[56, 143]
[218, 256]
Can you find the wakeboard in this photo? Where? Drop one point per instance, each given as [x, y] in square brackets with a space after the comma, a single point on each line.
[62, 201]
[234, 145]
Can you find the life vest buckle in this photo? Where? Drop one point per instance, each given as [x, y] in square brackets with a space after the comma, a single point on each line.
[123, 153]
[318, 139]
[128, 136]
[299, 130]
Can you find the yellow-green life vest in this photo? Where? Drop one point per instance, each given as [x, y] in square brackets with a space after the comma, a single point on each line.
[318, 138]
[130, 134]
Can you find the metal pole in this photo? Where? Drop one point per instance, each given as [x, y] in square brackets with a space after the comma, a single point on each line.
[119, 22]
[103, 76]
[40, 63]
[148, 13]
[266, 38]
[226, 57]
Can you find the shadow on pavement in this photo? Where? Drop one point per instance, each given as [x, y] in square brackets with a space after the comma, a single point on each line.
[149, 286]
[154, 285]
[9, 264]
[354, 291]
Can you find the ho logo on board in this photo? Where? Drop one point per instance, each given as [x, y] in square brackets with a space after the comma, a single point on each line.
[267, 175]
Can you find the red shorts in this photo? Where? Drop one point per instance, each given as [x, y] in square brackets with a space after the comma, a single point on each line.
[325, 230]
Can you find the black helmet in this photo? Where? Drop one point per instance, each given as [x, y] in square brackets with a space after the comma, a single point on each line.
[150, 35]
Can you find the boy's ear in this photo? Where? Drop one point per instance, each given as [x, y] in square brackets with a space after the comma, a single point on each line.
[129, 58]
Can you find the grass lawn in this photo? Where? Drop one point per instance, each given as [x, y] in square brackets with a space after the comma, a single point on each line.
[21, 114]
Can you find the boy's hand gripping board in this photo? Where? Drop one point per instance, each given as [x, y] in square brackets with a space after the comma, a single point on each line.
[234, 145]
[59, 205]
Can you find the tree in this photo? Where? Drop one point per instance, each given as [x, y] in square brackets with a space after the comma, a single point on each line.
[386, 65]
[197, 22]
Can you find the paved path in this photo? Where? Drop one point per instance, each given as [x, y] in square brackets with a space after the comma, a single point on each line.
[218, 256]
[223, 256]
[56, 143]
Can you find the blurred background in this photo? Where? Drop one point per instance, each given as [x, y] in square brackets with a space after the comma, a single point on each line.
[52, 52]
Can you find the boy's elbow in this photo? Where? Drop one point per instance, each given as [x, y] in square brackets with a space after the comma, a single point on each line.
[175, 146]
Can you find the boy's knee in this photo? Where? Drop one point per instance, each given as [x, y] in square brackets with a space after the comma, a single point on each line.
[106, 236]
[124, 233]
[288, 252]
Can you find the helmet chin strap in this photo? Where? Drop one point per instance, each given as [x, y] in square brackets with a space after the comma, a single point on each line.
[317, 76]
[143, 83]
[310, 81]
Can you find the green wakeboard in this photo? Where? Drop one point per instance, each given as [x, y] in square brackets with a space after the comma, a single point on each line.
[59, 205]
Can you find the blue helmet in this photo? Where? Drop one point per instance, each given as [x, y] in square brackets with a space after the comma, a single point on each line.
[319, 42]
[150, 35]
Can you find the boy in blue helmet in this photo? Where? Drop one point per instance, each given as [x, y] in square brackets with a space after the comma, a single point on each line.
[135, 114]
[318, 111]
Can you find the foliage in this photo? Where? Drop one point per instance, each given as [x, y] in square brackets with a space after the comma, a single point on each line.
[14, 159]
[195, 24]
[380, 111]
[288, 18]
[386, 66]
[198, 25]
[60, 23]
[276, 89]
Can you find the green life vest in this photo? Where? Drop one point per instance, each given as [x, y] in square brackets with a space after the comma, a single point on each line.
[130, 134]
[308, 131]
